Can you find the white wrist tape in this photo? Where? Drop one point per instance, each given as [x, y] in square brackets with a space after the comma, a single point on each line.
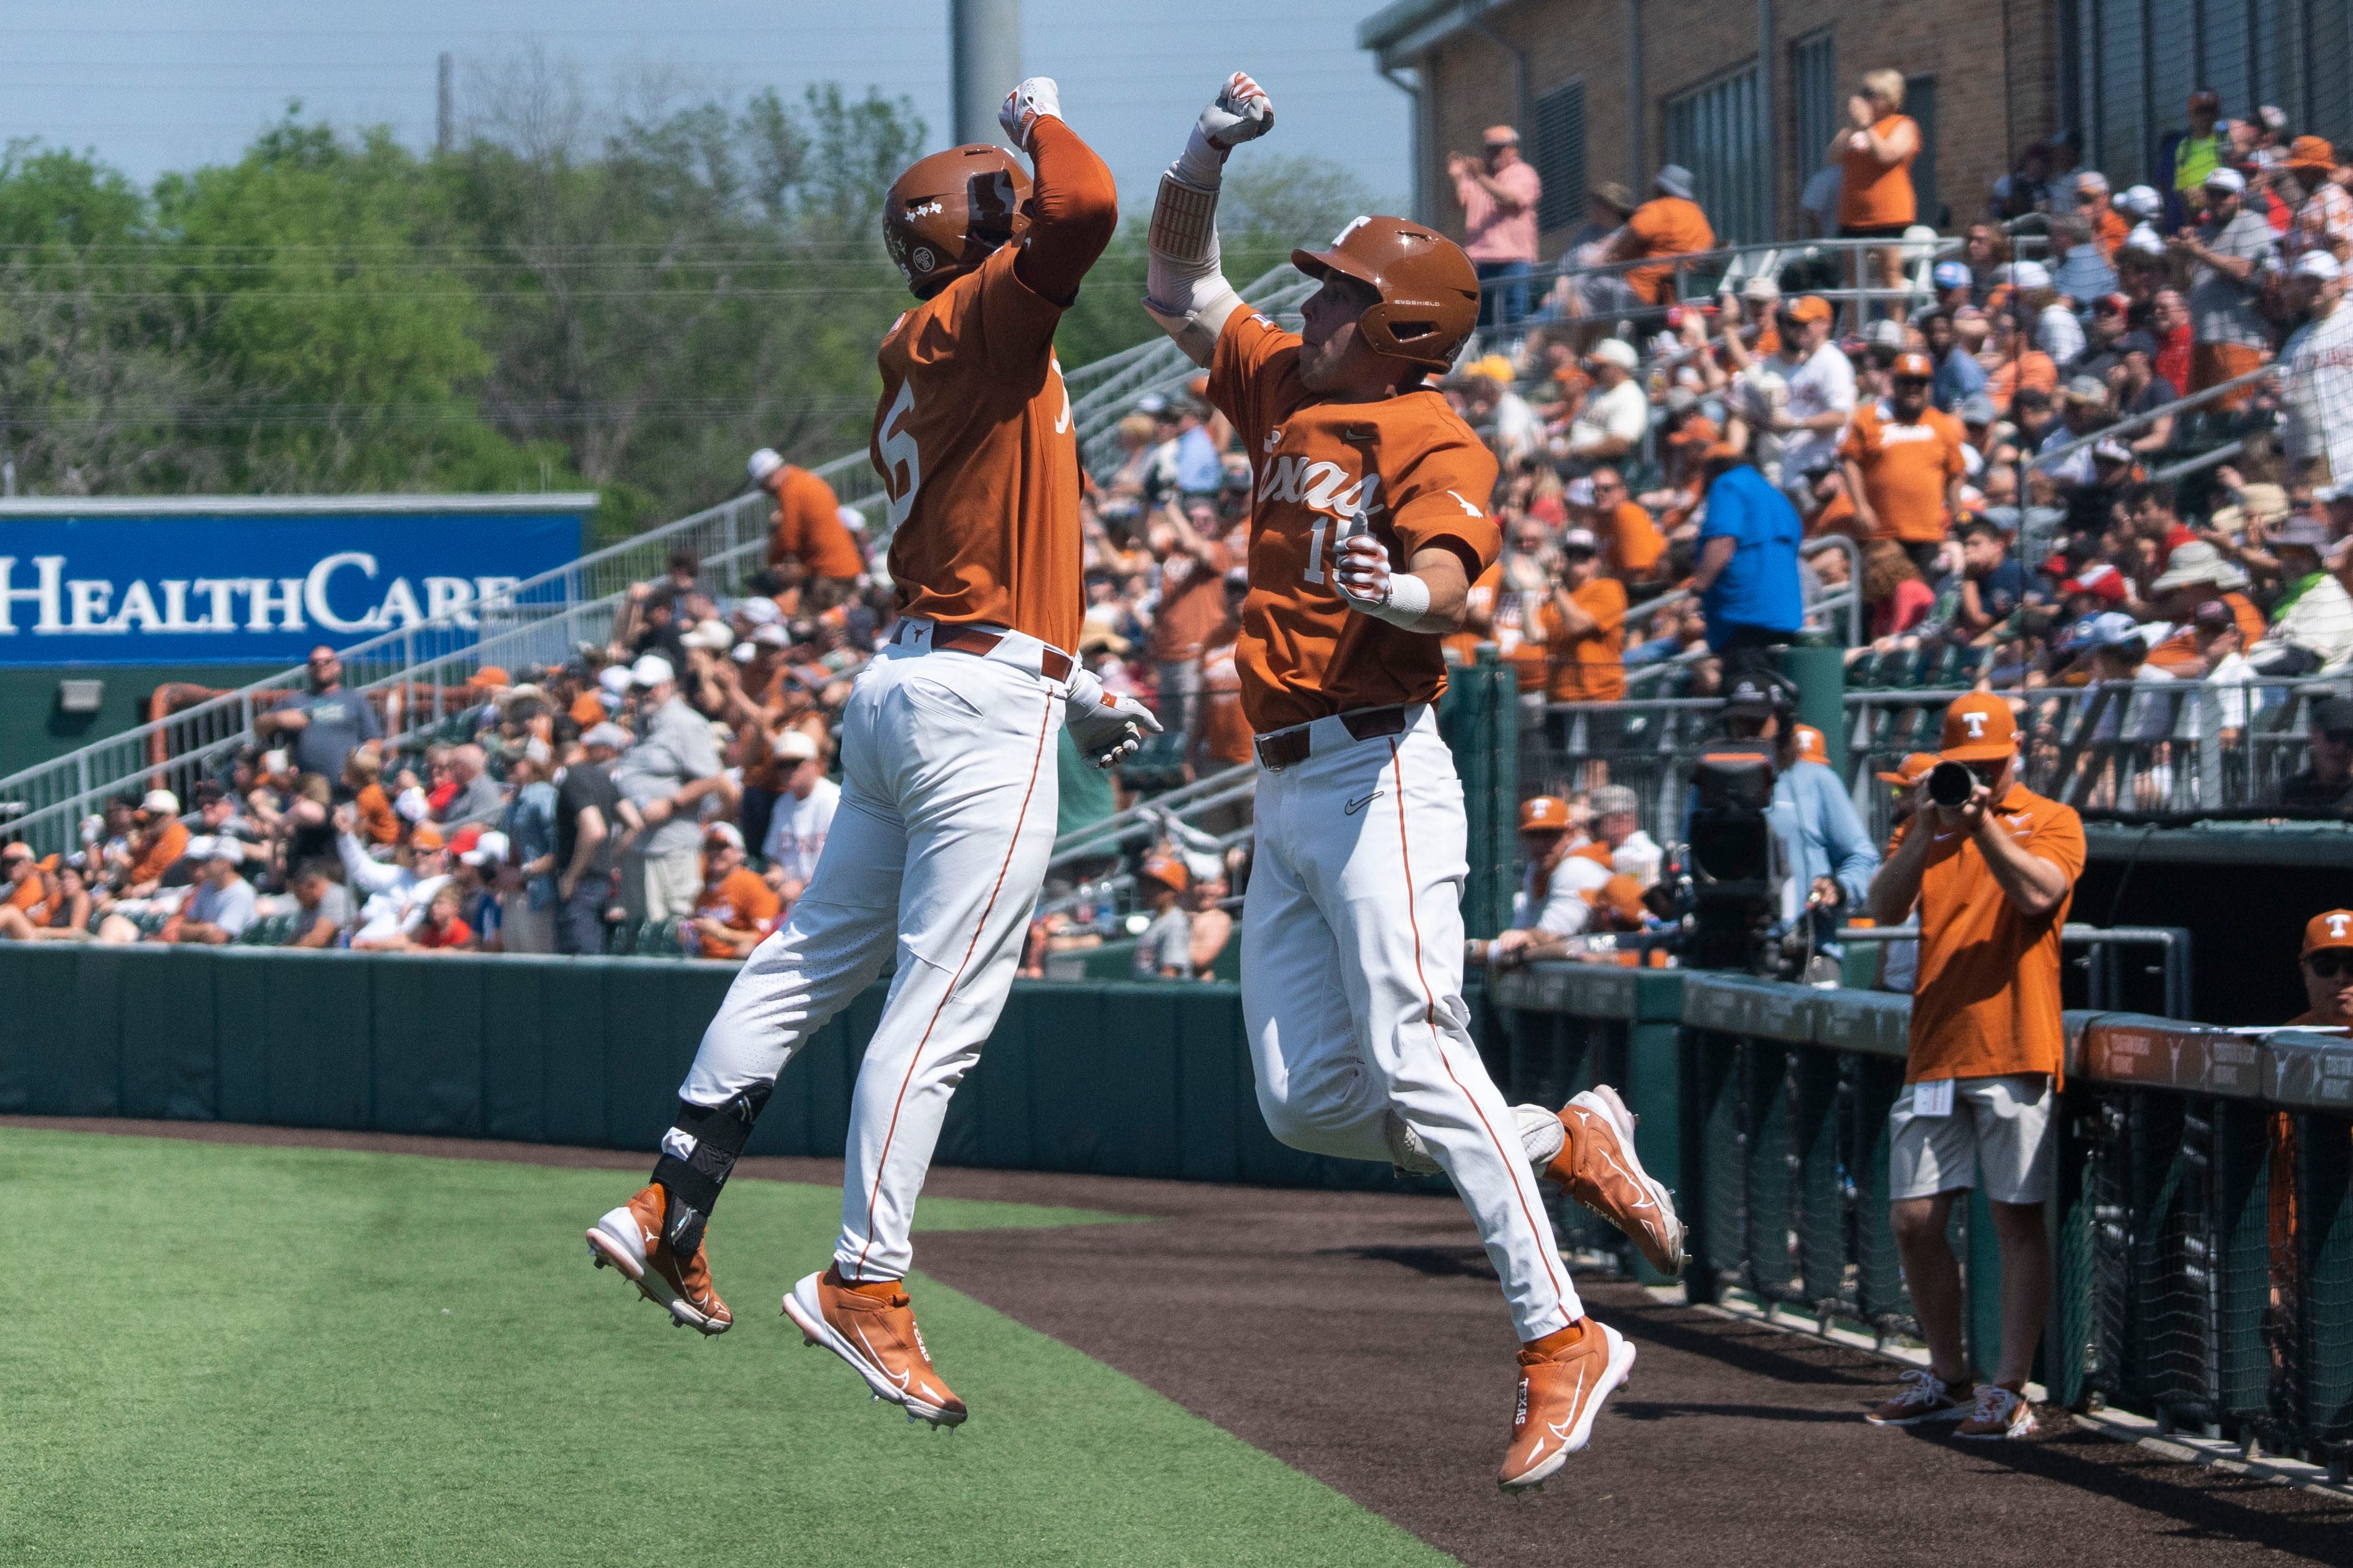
[1409, 601]
[1202, 165]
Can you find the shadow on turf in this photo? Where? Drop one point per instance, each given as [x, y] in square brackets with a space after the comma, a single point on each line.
[2202, 1499]
[1660, 1410]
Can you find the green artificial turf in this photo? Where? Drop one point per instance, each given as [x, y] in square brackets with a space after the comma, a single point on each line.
[222, 1354]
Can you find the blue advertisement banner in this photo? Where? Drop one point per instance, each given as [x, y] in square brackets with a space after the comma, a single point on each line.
[177, 585]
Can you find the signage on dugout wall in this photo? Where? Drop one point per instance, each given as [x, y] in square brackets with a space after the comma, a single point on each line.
[223, 581]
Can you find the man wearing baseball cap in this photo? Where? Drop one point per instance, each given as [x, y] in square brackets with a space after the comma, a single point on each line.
[1670, 223]
[1904, 462]
[1990, 879]
[2316, 390]
[2327, 966]
[666, 774]
[1585, 635]
[809, 548]
[737, 908]
[1499, 192]
[1165, 950]
[2227, 253]
[1550, 906]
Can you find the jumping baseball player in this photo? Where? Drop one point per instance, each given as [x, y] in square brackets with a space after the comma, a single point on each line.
[947, 806]
[1368, 525]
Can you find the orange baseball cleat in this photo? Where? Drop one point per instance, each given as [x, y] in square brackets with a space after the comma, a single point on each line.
[1598, 1165]
[872, 1326]
[1562, 1387]
[632, 1239]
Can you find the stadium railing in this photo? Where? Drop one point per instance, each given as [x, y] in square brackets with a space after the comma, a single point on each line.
[417, 676]
[2203, 1227]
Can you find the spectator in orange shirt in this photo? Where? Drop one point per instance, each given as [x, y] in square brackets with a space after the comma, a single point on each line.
[1221, 735]
[1669, 224]
[157, 844]
[1631, 543]
[2012, 364]
[1903, 464]
[1990, 879]
[28, 891]
[1874, 155]
[364, 777]
[810, 544]
[737, 908]
[1585, 631]
[2326, 966]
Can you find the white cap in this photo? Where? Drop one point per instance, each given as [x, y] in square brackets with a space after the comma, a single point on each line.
[1764, 285]
[711, 637]
[411, 803]
[2030, 275]
[760, 612]
[2141, 201]
[161, 801]
[793, 746]
[851, 517]
[744, 653]
[228, 849]
[2146, 240]
[2226, 180]
[763, 462]
[1578, 491]
[1887, 334]
[1618, 352]
[613, 678]
[489, 849]
[725, 832]
[605, 734]
[651, 669]
[2318, 264]
[772, 636]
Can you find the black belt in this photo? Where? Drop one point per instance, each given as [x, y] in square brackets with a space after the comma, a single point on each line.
[1289, 748]
[1052, 663]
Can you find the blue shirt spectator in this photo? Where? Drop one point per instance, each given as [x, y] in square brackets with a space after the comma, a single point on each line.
[1199, 470]
[1754, 583]
[1958, 375]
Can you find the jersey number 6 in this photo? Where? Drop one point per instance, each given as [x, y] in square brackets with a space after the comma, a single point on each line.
[899, 456]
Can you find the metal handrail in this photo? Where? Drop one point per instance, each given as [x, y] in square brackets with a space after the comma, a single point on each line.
[2106, 988]
[2142, 421]
[1108, 834]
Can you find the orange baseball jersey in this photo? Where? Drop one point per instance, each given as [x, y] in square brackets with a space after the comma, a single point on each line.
[1905, 468]
[808, 526]
[1407, 465]
[974, 442]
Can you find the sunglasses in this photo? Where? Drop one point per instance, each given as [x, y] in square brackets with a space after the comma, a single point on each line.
[2330, 965]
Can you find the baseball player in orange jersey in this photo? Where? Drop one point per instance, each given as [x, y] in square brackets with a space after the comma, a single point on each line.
[948, 790]
[1368, 525]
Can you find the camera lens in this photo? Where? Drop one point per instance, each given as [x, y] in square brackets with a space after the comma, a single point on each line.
[1951, 784]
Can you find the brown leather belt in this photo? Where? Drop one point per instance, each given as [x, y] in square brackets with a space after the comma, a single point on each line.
[1052, 662]
[1289, 748]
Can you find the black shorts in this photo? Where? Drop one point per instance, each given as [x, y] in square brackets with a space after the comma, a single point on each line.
[1873, 231]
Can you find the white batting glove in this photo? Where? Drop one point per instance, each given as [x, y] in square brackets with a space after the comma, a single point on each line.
[1024, 105]
[1106, 729]
[1367, 585]
[1240, 112]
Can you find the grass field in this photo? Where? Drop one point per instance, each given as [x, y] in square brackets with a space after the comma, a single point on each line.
[228, 1355]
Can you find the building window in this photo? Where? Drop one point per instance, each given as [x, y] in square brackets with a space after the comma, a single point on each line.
[1814, 94]
[1713, 132]
[1560, 155]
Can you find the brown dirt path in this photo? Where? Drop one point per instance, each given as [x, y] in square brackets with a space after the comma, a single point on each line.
[1359, 1337]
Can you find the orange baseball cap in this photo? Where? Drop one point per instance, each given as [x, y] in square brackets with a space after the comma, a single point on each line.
[1979, 728]
[427, 836]
[2334, 929]
[1167, 870]
[1913, 363]
[492, 675]
[1543, 814]
[1811, 746]
[1911, 769]
[1809, 308]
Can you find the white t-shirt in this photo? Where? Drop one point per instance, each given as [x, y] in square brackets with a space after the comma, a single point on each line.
[1561, 912]
[1823, 384]
[797, 831]
[1623, 411]
[1639, 858]
[2316, 393]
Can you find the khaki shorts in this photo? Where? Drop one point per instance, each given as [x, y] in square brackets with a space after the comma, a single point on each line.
[1999, 1127]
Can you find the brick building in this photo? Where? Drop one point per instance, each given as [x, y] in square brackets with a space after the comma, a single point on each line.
[1749, 96]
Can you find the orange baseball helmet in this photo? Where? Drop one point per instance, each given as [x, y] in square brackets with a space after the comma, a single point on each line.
[1428, 290]
[952, 211]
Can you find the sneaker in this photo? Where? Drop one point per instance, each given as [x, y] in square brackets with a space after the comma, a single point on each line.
[1999, 1412]
[872, 1326]
[632, 1238]
[1560, 1393]
[1925, 1397]
[1598, 1165]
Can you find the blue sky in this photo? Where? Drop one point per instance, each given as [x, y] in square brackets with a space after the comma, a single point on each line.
[153, 85]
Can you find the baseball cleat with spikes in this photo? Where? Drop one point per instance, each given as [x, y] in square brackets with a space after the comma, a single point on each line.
[635, 1239]
[1598, 1165]
[1561, 1391]
[872, 1326]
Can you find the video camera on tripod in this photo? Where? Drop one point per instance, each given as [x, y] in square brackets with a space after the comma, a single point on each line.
[1735, 871]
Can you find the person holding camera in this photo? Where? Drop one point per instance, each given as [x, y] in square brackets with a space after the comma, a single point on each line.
[1990, 867]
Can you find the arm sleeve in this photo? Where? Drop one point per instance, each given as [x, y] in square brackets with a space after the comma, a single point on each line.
[1073, 212]
[368, 876]
[1854, 858]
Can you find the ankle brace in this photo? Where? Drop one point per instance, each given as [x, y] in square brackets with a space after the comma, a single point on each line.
[698, 1151]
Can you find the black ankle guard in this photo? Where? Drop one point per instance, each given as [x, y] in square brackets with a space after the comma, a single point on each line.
[712, 1136]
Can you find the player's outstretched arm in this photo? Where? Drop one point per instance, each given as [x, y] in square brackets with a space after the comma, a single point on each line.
[1184, 290]
[1073, 206]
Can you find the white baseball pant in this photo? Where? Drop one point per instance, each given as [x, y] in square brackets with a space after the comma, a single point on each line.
[947, 821]
[1351, 988]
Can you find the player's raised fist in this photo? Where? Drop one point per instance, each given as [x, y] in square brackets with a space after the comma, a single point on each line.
[1240, 112]
[1022, 106]
[1363, 563]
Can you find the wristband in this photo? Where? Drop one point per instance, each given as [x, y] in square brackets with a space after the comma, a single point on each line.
[1201, 165]
[1408, 602]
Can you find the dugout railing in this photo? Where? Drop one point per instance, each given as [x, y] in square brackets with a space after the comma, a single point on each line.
[2203, 1230]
